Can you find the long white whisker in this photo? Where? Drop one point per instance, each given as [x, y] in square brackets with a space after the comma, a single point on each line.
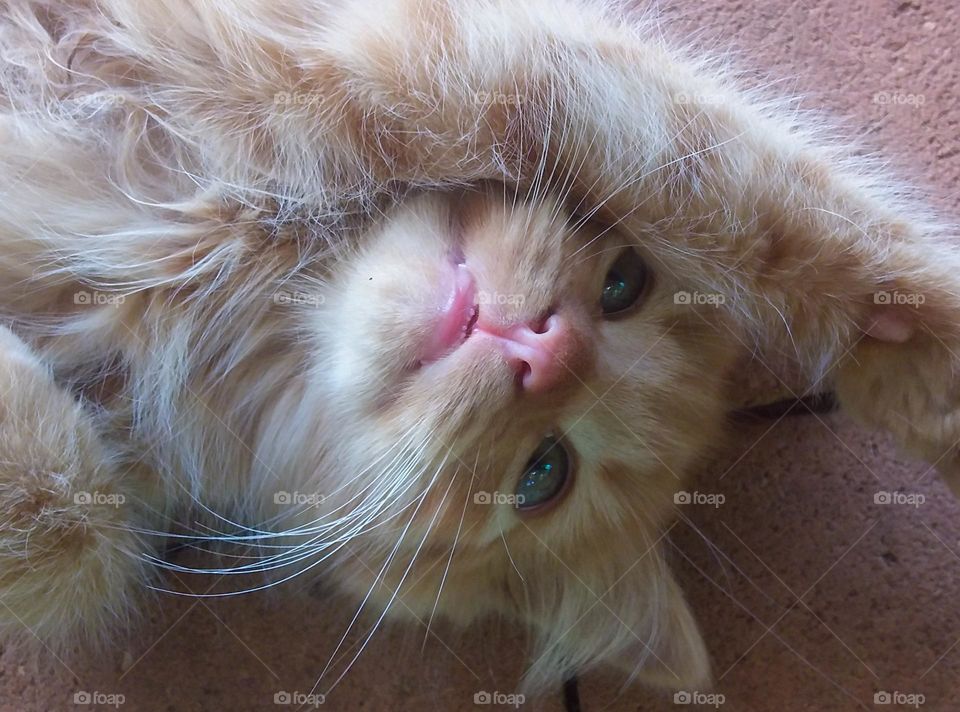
[376, 581]
[453, 548]
[403, 578]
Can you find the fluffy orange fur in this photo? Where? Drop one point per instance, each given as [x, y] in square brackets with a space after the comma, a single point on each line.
[222, 233]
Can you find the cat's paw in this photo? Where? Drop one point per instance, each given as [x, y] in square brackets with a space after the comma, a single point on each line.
[69, 565]
[904, 377]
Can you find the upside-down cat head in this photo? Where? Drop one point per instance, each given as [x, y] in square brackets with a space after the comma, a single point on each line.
[511, 395]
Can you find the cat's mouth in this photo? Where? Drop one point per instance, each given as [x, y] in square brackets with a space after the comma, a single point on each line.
[456, 318]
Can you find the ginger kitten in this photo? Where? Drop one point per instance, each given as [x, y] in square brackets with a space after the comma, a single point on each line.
[438, 298]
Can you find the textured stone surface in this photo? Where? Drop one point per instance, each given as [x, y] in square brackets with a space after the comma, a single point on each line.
[811, 596]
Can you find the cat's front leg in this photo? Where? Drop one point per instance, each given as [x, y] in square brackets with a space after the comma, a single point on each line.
[70, 567]
[912, 389]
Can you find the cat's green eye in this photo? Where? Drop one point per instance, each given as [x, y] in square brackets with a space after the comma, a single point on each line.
[625, 283]
[545, 475]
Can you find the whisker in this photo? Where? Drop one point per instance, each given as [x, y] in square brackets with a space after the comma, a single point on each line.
[453, 548]
[376, 581]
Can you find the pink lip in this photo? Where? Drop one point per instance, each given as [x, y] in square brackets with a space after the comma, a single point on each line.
[455, 318]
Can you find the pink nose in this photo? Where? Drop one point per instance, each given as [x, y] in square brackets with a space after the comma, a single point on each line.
[540, 352]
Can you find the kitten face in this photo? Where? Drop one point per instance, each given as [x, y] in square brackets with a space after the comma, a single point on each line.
[509, 429]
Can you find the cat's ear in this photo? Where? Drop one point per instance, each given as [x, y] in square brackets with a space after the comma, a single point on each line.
[641, 625]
